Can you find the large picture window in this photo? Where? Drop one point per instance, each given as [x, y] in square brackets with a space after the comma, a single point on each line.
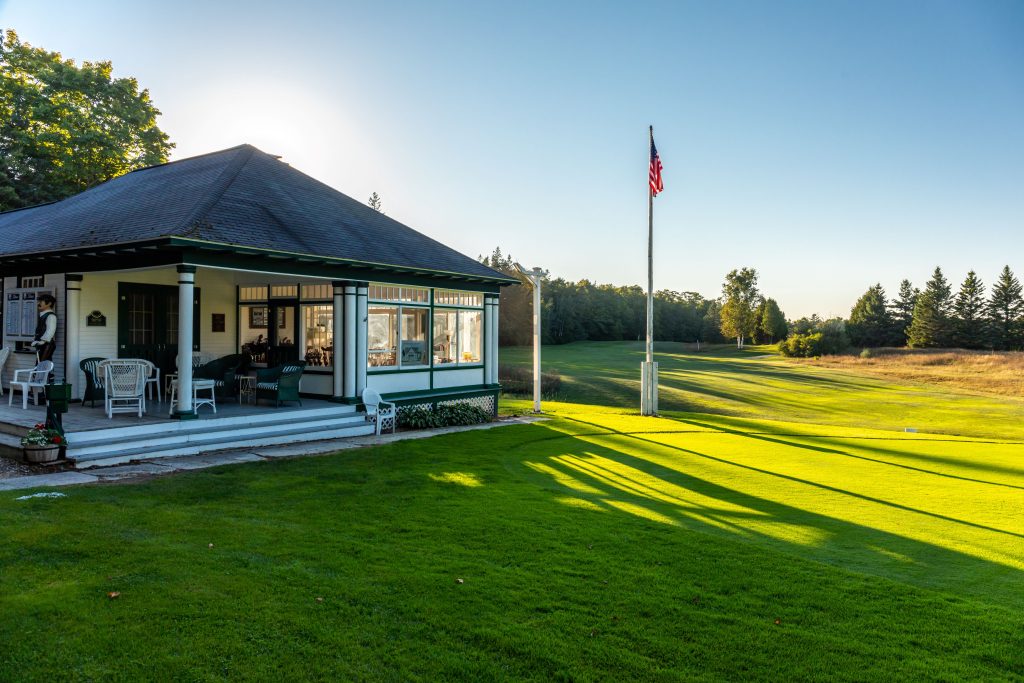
[458, 332]
[318, 335]
[382, 336]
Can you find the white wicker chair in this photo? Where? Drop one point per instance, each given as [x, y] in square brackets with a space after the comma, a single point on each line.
[5, 353]
[124, 385]
[382, 413]
[33, 380]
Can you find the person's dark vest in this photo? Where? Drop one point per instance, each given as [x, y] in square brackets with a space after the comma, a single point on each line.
[41, 326]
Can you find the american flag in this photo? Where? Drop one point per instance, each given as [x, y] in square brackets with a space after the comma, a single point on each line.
[657, 185]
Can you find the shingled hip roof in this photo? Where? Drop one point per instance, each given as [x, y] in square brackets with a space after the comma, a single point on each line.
[241, 197]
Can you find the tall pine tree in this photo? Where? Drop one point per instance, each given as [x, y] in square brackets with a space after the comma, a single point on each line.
[903, 311]
[870, 322]
[970, 326]
[1006, 311]
[930, 327]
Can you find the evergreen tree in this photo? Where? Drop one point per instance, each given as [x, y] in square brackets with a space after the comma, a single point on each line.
[870, 321]
[903, 311]
[930, 327]
[1006, 311]
[375, 202]
[970, 327]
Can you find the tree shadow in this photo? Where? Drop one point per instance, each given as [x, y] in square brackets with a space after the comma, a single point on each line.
[614, 480]
[931, 459]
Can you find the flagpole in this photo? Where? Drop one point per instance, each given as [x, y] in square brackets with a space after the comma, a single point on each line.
[650, 265]
[649, 369]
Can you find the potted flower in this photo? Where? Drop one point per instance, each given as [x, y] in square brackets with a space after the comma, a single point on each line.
[42, 444]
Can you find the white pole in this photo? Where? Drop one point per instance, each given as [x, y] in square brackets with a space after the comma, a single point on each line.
[536, 340]
[649, 370]
[186, 285]
[338, 336]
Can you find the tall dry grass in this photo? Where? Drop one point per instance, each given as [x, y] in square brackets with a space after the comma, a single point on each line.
[1000, 372]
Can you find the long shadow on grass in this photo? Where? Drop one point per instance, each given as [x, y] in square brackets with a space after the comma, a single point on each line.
[807, 482]
[662, 494]
[846, 454]
[931, 459]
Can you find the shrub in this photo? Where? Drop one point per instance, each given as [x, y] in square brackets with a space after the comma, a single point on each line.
[446, 415]
[867, 353]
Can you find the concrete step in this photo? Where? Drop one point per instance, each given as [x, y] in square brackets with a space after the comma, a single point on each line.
[231, 443]
[213, 431]
[205, 424]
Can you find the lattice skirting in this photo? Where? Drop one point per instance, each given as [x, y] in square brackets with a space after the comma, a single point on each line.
[486, 402]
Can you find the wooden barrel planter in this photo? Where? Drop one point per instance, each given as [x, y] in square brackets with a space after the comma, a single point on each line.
[42, 453]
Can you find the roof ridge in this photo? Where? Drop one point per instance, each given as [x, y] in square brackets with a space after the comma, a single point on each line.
[192, 158]
[220, 186]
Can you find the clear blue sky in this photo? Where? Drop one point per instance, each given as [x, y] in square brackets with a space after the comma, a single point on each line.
[830, 145]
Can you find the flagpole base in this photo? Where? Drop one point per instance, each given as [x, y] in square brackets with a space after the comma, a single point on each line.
[648, 388]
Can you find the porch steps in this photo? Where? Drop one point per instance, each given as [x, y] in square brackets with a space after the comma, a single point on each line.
[119, 445]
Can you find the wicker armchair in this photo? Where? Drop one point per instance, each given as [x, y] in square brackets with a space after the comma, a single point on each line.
[281, 383]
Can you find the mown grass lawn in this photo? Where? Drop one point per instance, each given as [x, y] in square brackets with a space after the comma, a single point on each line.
[596, 545]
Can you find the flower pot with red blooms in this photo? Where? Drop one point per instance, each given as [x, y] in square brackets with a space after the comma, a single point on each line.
[42, 445]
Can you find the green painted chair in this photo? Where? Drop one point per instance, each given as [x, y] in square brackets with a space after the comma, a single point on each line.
[93, 381]
[223, 372]
[281, 383]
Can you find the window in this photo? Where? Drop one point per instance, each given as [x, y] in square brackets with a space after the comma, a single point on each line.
[284, 291]
[453, 297]
[414, 295]
[252, 293]
[318, 335]
[446, 343]
[458, 332]
[31, 281]
[317, 292]
[382, 336]
[414, 336]
[470, 336]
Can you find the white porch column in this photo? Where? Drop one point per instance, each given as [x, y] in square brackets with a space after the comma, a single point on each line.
[339, 339]
[362, 291]
[350, 341]
[72, 314]
[186, 292]
[489, 325]
[495, 299]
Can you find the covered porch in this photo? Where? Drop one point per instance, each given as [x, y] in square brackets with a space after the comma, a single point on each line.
[96, 440]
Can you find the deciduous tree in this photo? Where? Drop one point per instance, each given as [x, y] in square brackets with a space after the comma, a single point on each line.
[65, 128]
[741, 298]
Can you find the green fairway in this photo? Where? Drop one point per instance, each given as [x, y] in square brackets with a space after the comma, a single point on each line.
[751, 383]
[594, 545]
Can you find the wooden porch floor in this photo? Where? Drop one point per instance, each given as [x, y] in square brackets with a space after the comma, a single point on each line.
[79, 418]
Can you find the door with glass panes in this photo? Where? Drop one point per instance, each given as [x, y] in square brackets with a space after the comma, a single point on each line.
[147, 324]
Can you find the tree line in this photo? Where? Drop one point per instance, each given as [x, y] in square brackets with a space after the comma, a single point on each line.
[936, 317]
[585, 311]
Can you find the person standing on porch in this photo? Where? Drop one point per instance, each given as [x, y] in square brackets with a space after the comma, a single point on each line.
[46, 328]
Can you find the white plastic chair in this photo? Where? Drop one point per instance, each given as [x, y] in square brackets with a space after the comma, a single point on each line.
[124, 385]
[34, 381]
[380, 412]
[153, 382]
[5, 353]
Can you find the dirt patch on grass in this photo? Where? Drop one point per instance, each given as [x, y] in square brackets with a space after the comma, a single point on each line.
[989, 372]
